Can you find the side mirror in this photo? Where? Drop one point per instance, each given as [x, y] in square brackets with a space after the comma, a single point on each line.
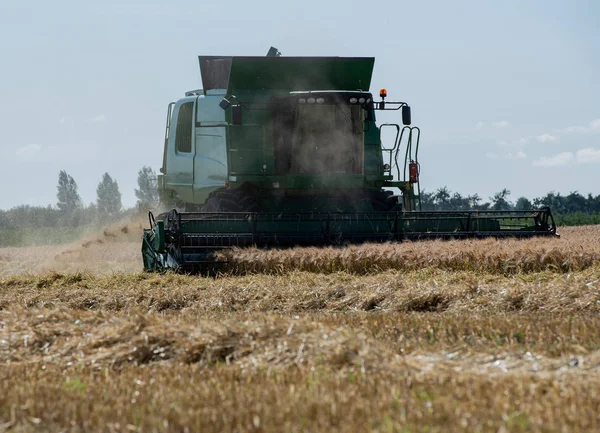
[406, 118]
[236, 114]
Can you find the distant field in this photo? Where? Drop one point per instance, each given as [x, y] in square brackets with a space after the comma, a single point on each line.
[433, 336]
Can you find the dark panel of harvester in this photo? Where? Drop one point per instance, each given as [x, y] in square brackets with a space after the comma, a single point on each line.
[286, 73]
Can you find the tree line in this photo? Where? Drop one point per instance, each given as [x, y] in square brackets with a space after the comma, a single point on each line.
[70, 210]
[444, 199]
[571, 209]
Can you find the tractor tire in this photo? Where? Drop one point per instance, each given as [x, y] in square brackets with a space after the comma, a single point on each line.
[383, 201]
[379, 206]
[392, 201]
[212, 205]
[226, 195]
[242, 199]
[249, 204]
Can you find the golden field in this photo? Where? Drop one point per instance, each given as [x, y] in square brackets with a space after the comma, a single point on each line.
[485, 335]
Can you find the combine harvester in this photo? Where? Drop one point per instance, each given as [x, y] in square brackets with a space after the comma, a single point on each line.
[285, 151]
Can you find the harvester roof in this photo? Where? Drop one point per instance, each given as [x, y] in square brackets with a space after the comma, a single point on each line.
[286, 73]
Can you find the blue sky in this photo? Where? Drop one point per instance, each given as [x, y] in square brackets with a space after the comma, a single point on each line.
[506, 92]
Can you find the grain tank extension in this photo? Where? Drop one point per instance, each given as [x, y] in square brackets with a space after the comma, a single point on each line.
[286, 151]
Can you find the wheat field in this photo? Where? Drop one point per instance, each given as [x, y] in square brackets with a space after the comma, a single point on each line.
[484, 335]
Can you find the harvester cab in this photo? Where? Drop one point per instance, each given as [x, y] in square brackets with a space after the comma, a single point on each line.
[289, 130]
[285, 151]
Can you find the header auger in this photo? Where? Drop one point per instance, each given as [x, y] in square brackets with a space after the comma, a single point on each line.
[278, 152]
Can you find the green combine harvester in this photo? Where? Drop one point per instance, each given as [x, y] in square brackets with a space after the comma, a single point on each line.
[278, 152]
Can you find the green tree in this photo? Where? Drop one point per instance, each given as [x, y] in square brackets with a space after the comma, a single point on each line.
[108, 197]
[593, 203]
[474, 201]
[499, 201]
[427, 200]
[458, 202]
[575, 202]
[554, 201]
[523, 204]
[67, 195]
[147, 191]
[442, 198]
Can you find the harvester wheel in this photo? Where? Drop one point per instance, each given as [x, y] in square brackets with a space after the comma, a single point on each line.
[247, 198]
[248, 203]
[218, 204]
[226, 195]
[379, 206]
[392, 201]
[240, 200]
[229, 205]
[383, 201]
[211, 205]
[254, 207]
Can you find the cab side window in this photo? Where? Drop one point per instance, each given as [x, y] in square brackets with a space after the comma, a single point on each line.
[183, 132]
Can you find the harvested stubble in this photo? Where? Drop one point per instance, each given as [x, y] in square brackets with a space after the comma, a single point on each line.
[187, 398]
[419, 291]
[99, 339]
[99, 371]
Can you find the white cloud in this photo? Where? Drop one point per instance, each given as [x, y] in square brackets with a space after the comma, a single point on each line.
[28, 150]
[588, 155]
[593, 126]
[496, 124]
[99, 118]
[518, 143]
[132, 9]
[516, 155]
[35, 153]
[574, 130]
[510, 155]
[546, 138]
[562, 158]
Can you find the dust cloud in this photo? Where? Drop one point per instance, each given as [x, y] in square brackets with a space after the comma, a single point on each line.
[327, 140]
[116, 248]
